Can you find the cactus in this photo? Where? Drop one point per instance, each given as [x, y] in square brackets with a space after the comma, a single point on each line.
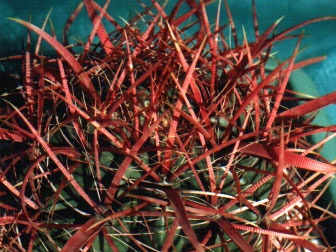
[162, 135]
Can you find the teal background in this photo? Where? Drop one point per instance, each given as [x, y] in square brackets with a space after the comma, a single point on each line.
[320, 38]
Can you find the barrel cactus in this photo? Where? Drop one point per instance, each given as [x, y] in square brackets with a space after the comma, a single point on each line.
[164, 134]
